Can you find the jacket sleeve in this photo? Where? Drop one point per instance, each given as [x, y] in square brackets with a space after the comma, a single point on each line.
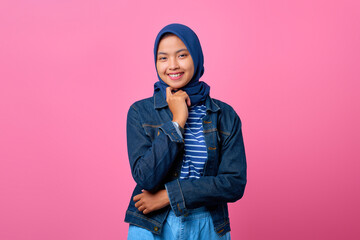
[150, 160]
[227, 186]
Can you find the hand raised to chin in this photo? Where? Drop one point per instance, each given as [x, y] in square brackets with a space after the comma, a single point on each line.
[178, 103]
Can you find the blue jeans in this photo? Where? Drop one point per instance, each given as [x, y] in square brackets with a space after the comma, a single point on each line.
[197, 225]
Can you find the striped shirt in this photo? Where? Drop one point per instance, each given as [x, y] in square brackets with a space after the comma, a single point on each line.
[195, 154]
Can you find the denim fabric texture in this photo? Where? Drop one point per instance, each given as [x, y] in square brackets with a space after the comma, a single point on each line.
[197, 225]
[156, 150]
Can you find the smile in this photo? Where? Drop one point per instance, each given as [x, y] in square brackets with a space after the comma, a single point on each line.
[175, 76]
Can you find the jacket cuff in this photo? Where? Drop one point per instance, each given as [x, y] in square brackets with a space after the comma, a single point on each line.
[170, 130]
[176, 198]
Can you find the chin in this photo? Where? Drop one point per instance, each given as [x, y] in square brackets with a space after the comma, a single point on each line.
[178, 86]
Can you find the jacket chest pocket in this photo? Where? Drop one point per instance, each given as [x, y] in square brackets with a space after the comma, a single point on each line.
[151, 130]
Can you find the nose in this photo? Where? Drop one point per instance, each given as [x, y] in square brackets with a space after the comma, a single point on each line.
[173, 64]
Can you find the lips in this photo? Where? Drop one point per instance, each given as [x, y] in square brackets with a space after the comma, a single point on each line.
[175, 76]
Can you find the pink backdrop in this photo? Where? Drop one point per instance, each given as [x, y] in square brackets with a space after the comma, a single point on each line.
[69, 71]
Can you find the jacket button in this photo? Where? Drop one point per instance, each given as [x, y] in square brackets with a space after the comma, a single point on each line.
[175, 174]
[156, 229]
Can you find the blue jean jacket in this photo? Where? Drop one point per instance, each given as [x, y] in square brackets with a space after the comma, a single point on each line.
[156, 150]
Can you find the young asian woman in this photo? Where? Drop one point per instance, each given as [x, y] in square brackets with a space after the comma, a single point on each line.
[186, 149]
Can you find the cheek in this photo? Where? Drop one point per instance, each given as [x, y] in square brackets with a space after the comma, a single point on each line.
[191, 70]
[190, 67]
[160, 68]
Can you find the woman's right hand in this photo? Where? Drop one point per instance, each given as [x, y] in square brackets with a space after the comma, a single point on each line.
[178, 103]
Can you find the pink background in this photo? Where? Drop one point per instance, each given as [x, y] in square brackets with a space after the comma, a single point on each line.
[69, 71]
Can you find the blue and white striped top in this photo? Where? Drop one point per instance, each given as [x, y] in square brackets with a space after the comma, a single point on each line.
[195, 154]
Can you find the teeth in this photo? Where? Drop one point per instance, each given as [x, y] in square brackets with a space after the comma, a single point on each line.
[174, 75]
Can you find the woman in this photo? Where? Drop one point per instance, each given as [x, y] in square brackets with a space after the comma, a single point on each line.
[185, 149]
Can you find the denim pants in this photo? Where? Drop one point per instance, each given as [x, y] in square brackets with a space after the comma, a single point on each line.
[197, 225]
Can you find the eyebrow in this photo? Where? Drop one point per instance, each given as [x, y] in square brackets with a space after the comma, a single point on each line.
[183, 49]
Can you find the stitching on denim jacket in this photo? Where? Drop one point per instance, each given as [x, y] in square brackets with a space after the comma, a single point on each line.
[141, 227]
[167, 134]
[170, 137]
[149, 125]
[175, 139]
[226, 133]
[215, 104]
[223, 224]
[182, 195]
[210, 130]
[145, 218]
[178, 206]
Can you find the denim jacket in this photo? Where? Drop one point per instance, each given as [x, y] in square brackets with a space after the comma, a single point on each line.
[156, 150]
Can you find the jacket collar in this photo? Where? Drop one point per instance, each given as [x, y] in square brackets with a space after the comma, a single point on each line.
[160, 102]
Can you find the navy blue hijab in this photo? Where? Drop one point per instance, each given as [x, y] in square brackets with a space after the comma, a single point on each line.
[196, 90]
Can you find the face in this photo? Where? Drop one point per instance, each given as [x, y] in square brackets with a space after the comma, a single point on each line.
[174, 63]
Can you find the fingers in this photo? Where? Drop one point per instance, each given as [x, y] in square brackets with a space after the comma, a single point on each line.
[142, 202]
[138, 204]
[168, 92]
[137, 197]
[141, 207]
[179, 93]
[188, 101]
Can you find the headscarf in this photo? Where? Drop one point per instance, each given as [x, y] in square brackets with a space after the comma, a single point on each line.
[196, 90]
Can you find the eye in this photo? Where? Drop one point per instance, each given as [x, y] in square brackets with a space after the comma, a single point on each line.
[162, 58]
[182, 55]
